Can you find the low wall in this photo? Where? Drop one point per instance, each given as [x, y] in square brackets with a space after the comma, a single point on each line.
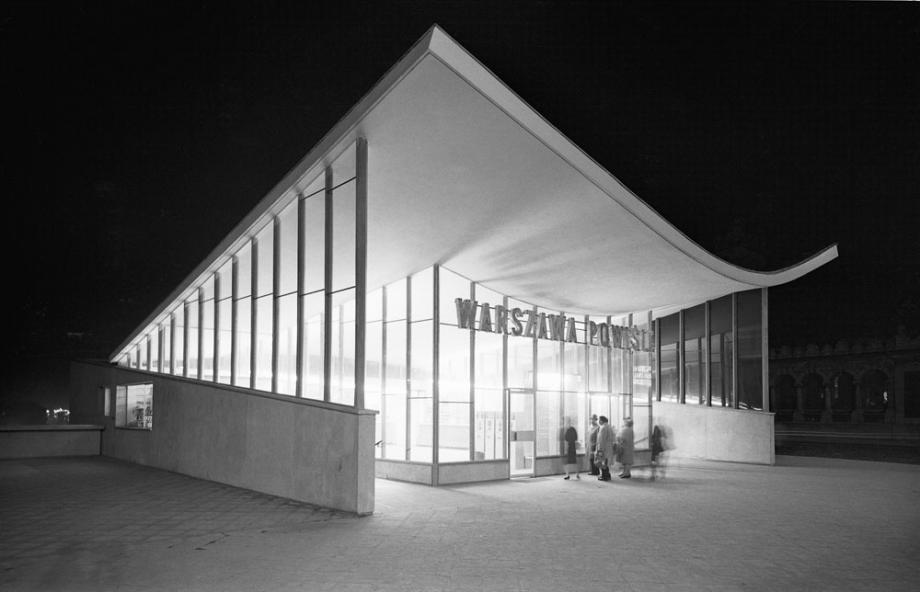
[311, 451]
[715, 433]
[34, 441]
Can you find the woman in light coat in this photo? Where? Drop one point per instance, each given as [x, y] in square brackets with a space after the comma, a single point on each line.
[625, 448]
[606, 437]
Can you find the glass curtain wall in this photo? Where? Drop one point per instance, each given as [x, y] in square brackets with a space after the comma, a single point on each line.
[484, 348]
[728, 350]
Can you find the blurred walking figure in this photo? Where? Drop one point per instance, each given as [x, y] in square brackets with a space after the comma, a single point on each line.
[592, 446]
[658, 446]
[571, 446]
[606, 441]
[625, 448]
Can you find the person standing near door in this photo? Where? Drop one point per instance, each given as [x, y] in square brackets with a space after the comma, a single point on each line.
[571, 449]
[606, 438]
[592, 446]
[625, 446]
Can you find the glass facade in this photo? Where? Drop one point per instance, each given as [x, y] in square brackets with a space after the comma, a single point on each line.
[459, 373]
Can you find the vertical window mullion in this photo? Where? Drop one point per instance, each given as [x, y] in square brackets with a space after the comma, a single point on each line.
[276, 305]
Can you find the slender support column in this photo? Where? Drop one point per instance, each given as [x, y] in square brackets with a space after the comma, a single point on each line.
[765, 348]
[215, 359]
[734, 402]
[253, 315]
[384, 413]
[327, 283]
[681, 360]
[706, 395]
[436, 378]
[505, 407]
[185, 323]
[160, 347]
[201, 333]
[234, 318]
[361, 269]
[409, 363]
[172, 343]
[657, 362]
[301, 288]
[276, 300]
[472, 376]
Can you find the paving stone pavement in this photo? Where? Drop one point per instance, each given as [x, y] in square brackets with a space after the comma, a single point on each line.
[806, 524]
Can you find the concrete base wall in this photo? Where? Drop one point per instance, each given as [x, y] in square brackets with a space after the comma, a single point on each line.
[310, 451]
[412, 472]
[451, 473]
[717, 434]
[49, 440]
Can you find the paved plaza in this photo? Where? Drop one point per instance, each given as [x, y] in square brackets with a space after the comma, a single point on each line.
[805, 524]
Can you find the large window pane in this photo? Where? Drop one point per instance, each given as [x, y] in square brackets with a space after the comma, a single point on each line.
[287, 228]
[454, 432]
[225, 321]
[694, 334]
[520, 352]
[750, 379]
[243, 341]
[342, 389]
[720, 351]
[166, 336]
[207, 336]
[343, 237]
[179, 341]
[313, 353]
[393, 410]
[314, 247]
[490, 425]
[549, 423]
[263, 360]
[264, 307]
[155, 349]
[191, 323]
[669, 328]
[287, 344]
[420, 391]
[454, 367]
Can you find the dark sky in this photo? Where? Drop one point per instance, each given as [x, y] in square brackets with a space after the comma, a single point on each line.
[136, 135]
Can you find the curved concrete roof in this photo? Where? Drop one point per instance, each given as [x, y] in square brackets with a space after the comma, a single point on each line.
[462, 172]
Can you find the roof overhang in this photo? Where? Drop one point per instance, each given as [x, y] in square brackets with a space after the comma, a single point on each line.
[463, 173]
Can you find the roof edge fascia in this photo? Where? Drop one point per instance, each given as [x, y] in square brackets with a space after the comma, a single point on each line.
[486, 82]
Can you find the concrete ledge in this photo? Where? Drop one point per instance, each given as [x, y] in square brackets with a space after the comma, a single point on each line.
[36, 441]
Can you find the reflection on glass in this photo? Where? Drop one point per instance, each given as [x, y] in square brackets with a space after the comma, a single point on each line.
[750, 378]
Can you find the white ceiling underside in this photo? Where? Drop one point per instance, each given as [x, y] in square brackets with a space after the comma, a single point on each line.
[454, 179]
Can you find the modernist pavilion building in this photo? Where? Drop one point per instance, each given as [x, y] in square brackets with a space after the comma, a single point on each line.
[430, 295]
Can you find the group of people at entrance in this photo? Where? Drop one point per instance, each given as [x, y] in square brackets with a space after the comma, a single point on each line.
[606, 448]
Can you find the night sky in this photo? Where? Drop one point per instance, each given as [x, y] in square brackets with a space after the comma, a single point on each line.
[137, 135]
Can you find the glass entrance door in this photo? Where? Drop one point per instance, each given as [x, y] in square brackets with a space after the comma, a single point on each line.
[521, 432]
